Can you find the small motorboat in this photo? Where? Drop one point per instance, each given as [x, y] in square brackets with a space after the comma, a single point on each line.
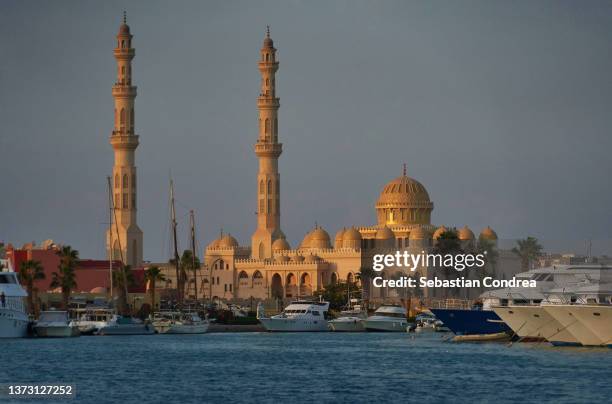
[299, 316]
[179, 323]
[55, 324]
[351, 319]
[388, 317]
[120, 325]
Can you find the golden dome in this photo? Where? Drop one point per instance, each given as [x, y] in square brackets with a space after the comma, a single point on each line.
[465, 233]
[318, 238]
[404, 201]
[384, 233]
[228, 241]
[488, 234]
[339, 238]
[439, 232]
[419, 233]
[280, 244]
[352, 238]
[214, 244]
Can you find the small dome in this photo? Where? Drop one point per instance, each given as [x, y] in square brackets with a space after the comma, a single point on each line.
[384, 233]
[124, 29]
[214, 244]
[439, 232]
[280, 244]
[339, 238]
[352, 238]
[319, 238]
[228, 241]
[99, 290]
[465, 233]
[419, 233]
[488, 234]
[306, 241]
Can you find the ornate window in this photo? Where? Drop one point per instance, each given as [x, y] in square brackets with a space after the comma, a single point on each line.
[125, 181]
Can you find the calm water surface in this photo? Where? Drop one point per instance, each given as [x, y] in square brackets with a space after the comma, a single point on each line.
[321, 367]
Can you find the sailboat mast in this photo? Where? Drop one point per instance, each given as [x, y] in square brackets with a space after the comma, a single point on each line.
[193, 254]
[176, 254]
[110, 235]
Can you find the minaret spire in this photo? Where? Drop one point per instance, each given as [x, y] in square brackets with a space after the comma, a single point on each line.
[268, 149]
[404, 169]
[123, 139]
[124, 17]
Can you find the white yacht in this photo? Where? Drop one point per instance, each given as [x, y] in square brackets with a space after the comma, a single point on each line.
[120, 325]
[90, 320]
[388, 317]
[179, 323]
[55, 324]
[350, 320]
[13, 316]
[595, 318]
[542, 319]
[299, 316]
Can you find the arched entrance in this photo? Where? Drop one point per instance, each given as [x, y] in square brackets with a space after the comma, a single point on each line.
[305, 285]
[334, 278]
[276, 288]
[291, 285]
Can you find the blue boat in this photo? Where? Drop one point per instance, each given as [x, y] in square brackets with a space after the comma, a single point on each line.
[471, 321]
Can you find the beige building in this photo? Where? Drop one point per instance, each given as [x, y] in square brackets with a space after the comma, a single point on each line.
[271, 268]
[268, 267]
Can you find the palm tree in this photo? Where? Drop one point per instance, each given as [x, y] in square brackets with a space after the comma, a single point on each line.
[527, 249]
[30, 272]
[364, 276]
[122, 275]
[66, 277]
[188, 264]
[154, 274]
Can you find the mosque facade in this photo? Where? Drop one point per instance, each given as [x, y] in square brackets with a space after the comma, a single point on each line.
[269, 267]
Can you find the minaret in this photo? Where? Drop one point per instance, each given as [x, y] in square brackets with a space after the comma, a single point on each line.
[267, 149]
[126, 236]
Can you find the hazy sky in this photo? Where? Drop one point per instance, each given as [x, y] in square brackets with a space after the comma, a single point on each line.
[502, 109]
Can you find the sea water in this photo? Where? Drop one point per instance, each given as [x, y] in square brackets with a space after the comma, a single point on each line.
[306, 367]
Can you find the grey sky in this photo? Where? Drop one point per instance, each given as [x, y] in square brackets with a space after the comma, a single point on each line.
[500, 108]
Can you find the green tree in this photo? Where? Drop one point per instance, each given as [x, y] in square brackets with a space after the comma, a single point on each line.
[527, 249]
[30, 272]
[65, 278]
[153, 274]
[336, 294]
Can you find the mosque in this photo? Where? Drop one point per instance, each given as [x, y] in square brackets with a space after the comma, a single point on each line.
[270, 268]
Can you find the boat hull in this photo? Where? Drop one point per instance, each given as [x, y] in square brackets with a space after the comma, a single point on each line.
[56, 331]
[565, 315]
[14, 326]
[468, 322]
[533, 323]
[127, 329]
[597, 319]
[393, 325]
[347, 325]
[182, 329]
[293, 325]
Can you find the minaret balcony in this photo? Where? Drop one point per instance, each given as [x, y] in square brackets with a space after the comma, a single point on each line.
[266, 101]
[123, 140]
[121, 90]
[124, 53]
[268, 149]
